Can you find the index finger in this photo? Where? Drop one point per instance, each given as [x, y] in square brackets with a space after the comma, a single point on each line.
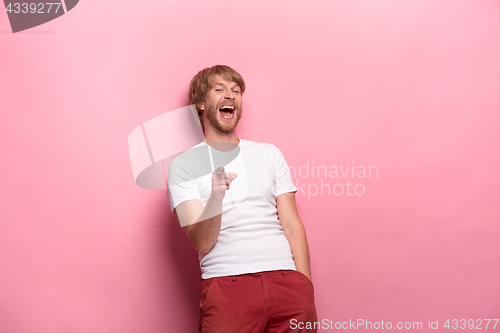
[219, 171]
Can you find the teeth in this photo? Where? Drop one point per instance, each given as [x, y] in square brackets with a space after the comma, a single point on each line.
[227, 107]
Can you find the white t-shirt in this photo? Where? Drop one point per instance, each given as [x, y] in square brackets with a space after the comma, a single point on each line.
[251, 238]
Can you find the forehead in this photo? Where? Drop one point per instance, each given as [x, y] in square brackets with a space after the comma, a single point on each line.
[221, 80]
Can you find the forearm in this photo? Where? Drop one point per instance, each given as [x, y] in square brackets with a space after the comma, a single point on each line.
[300, 249]
[204, 232]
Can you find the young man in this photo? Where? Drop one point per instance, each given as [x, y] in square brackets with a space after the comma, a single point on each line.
[235, 199]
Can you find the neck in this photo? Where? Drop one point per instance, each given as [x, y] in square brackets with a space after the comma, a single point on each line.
[224, 142]
[212, 137]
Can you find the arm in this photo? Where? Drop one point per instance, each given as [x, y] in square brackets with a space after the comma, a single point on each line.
[294, 231]
[202, 224]
[204, 228]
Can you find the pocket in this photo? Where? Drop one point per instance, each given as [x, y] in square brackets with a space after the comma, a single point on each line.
[205, 291]
[304, 277]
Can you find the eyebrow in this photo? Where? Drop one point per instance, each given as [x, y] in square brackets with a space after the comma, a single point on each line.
[221, 84]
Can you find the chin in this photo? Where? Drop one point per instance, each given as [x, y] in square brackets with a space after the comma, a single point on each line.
[227, 130]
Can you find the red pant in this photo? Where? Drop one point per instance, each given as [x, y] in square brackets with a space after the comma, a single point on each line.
[256, 303]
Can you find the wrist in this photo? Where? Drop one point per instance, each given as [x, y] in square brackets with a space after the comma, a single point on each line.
[216, 197]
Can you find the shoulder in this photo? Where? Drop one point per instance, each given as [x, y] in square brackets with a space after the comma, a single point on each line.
[188, 160]
[190, 155]
[263, 152]
[259, 146]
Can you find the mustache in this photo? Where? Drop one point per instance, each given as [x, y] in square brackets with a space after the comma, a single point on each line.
[236, 107]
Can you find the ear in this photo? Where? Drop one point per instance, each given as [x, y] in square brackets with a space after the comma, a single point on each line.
[201, 106]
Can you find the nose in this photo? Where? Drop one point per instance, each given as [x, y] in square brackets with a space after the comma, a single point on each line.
[229, 95]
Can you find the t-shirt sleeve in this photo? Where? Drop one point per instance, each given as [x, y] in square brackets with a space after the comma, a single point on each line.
[181, 184]
[284, 182]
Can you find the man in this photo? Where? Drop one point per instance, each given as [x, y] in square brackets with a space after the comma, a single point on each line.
[254, 256]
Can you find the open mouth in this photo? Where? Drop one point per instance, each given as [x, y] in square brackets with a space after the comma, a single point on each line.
[227, 111]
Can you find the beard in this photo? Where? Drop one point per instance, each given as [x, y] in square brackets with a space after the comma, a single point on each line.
[224, 125]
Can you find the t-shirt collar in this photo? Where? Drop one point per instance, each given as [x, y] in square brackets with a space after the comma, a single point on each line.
[239, 143]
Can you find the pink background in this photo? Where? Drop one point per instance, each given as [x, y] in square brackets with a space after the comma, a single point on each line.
[411, 87]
